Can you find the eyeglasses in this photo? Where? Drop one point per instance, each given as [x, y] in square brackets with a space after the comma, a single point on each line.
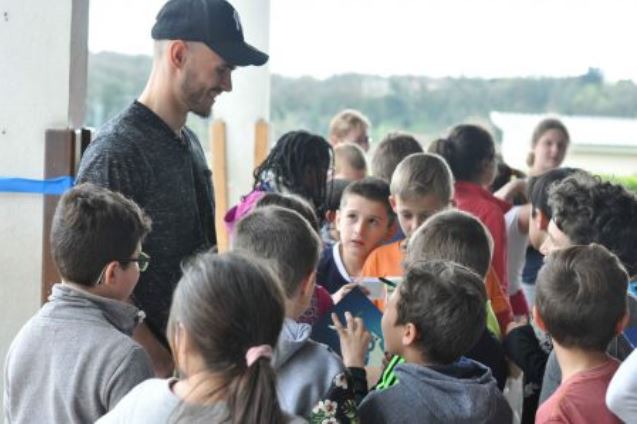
[143, 260]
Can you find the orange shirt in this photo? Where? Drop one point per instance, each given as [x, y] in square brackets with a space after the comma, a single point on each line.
[384, 261]
[499, 300]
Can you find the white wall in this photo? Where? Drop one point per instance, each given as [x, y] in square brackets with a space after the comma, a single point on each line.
[248, 102]
[40, 58]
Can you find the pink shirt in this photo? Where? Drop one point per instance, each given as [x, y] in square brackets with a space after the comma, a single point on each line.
[581, 398]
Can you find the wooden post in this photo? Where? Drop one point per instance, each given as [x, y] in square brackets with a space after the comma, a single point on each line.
[220, 181]
[62, 151]
[261, 142]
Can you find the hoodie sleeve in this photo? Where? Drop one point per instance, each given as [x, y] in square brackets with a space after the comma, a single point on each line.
[134, 369]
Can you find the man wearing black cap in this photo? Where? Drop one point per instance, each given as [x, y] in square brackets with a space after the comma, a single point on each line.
[148, 154]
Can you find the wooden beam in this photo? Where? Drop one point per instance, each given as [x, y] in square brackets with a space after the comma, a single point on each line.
[261, 141]
[220, 181]
[62, 152]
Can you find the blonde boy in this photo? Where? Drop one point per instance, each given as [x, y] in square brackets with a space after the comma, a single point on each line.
[350, 126]
[363, 222]
[421, 185]
[349, 162]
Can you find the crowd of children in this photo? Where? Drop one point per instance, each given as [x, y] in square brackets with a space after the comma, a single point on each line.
[479, 283]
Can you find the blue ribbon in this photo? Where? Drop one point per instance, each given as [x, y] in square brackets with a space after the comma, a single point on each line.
[51, 186]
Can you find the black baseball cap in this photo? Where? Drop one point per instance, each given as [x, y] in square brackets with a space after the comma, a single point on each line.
[213, 22]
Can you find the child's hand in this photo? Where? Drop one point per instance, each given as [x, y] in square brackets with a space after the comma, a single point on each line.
[354, 340]
[522, 321]
[343, 291]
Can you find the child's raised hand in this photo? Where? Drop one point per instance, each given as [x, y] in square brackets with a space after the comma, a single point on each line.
[354, 340]
[343, 291]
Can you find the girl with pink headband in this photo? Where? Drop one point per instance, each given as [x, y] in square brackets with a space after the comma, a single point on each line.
[225, 318]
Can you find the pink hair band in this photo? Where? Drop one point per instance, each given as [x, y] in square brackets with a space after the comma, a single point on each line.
[256, 352]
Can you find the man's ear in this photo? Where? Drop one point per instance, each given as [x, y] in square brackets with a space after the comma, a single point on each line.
[337, 218]
[392, 202]
[622, 323]
[177, 51]
[538, 319]
[410, 334]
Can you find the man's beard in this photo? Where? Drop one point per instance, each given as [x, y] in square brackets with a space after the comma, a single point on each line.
[198, 100]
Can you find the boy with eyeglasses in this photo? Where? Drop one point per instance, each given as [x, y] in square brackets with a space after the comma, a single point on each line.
[74, 359]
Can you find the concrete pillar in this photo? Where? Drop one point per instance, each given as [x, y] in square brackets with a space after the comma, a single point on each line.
[248, 102]
[43, 44]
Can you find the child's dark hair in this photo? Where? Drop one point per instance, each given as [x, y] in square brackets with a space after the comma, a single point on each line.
[336, 187]
[445, 302]
[285, 239]
[373, 189]
[455, 236]
[581, 296]
[228, 304]
[466, 150]
[538, 189]
[391, 151]
[292, 202]
[589, 210]
[298, 162]
[504, 174]
[93, 226]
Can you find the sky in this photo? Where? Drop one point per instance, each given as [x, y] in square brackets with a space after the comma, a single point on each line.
[438, 38]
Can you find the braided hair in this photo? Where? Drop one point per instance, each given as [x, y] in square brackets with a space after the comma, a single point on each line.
[298, 162]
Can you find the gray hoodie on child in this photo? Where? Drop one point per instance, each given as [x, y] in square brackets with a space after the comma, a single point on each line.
[74, 360]
[464, 392]
[304, 369]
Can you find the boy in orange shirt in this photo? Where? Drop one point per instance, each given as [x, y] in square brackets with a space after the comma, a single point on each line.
[421, 185]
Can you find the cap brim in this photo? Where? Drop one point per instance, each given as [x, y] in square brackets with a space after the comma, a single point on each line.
[239, 53]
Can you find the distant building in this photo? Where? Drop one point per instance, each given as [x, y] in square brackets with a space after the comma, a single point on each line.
[598, 144]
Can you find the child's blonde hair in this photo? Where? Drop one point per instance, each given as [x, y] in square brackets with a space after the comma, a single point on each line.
[344, 122]
[421, 174]
[349, 155]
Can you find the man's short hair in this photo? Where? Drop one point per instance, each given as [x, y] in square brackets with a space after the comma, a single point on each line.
[370, 188]
[589, 210]
[349, 154]
[538, 189]
[422, 174]
[395, 147]
[455, 236]
[285, 239]
[344, 122]
[93, 226]
[581, 296]
[445, 302]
